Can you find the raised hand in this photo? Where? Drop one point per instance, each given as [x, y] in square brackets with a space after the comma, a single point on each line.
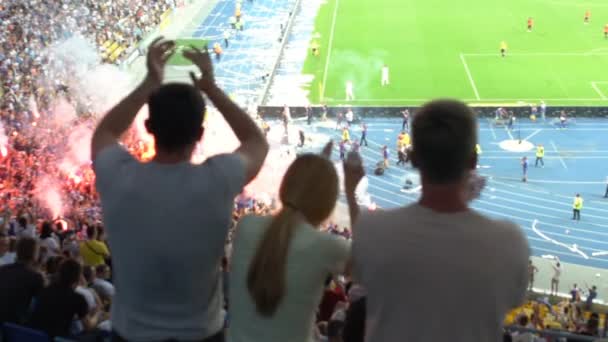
[203, 61]
[353, 171]
[159, 52]
[326, 152]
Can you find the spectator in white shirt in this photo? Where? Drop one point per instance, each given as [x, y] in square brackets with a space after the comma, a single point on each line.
[104, 288]
[279, 263]
[49, 242]
[171, 293]
[438, 249]
[6, 257]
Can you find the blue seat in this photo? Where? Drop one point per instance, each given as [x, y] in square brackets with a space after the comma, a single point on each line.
[17, 333]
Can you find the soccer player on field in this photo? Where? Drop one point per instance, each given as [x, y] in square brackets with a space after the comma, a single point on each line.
[384, 81]
[503, 48]
[587, 16]
[530, 24]
[349, 91]
[606, 31]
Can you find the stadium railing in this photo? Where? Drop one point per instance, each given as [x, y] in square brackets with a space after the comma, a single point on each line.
[284, 39]
[553, 334]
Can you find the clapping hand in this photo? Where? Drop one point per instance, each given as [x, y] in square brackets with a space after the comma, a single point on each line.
[159, 52]
[203, 61]
[353, 171]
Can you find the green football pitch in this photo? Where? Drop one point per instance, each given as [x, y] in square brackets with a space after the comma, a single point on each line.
[438, 48]
[180, 44]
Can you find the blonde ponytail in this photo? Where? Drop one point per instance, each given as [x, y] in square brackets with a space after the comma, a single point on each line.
[266, 277]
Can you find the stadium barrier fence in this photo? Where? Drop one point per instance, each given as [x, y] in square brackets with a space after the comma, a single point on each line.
[486, 112]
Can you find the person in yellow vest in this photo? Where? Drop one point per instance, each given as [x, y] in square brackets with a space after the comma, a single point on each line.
[576, 207]
[93, 251]
[405, 139]
[399, 141]
[217, 49]
[540, 154]
[345, 135]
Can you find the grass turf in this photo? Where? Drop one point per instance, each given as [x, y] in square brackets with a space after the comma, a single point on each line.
[177, 59]
[431, 47]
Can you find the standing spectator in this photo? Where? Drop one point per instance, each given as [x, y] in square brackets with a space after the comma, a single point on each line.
[532, 270]
[349, 116]
[439, 242]
[6, 257]
[590, 297]
[406, 119]
[169, 289]
[524, 169]
[49, 241]
[59, 303]
[364, 138]
[575, 294]
[226, 37]
[354, 325]
[332, 295]
[557, 272]
[309, 115]
[540, 154]
[276, 277]
[543, 109]
[577, 205]
[20, 283]
[93, 251]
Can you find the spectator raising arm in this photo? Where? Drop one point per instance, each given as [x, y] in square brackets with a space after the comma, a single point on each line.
[119, 119]
[254, 147]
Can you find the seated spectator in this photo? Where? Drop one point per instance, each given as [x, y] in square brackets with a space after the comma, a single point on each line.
[84, 288]
[437, 250]
[93, 251]
[59, 303]
[6, 257]
[516, 336]
[279, 262]
[20, 282]
[104, 288]
[167, 219]
[333, 294]
[52, 267]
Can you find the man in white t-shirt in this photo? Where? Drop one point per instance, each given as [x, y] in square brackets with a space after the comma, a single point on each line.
[167, 219]
[456, 272]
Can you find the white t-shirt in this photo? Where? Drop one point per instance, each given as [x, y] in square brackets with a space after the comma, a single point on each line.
[88, 295]
[28, 231]
[312, 256]
[349, 87]
[52, 247]
[434, 276]
[104, 288]
[7, 258]
[167, 224]
[385, 72]
[350, 116]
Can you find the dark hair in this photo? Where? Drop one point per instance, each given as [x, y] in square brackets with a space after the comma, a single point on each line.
[46, 230]
[444, 134]
[100, 269]
[523, 320]
[22, 221]
[87, 272]
[91, 231]
[27, 249]
[52, 264]
[69, 272]
[176, 116]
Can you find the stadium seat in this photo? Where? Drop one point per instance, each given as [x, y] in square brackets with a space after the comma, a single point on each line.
[16, 333]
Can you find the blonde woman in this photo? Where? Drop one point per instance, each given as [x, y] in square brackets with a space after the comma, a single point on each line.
[280, 262]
